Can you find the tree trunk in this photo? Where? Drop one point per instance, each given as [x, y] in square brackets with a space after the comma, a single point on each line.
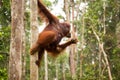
[82, 44]
[23, 56]
[63, 71]
[107, 63]
[67, 10]
[100, 63]
[104, 53]
[46, 66]
[118, 35]
[17, 27]
[34, 35]
[56, 67]
[72, 47]
[0, 3]
[23, 48]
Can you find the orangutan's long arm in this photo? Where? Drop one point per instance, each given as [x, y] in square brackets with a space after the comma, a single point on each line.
[45, 13]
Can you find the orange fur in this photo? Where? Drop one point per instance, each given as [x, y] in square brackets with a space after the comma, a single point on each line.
[45, 13]
[51, 36]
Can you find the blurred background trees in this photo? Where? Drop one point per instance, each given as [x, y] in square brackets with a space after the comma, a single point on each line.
[96, 24]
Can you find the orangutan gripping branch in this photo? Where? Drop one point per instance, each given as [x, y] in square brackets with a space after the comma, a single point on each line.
[51, 36]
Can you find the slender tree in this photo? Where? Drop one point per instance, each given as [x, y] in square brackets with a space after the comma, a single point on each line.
[56, 71]
[82, 44]
[46, 66]
[63, 71]
[67, 10]
[24, 47]
[16, 45]
[34, 34]
[72, 47]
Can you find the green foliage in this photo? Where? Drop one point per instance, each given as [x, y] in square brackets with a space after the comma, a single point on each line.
[47, 3]
[3, 74]
[94, 19]
[5, 17]
[4, 39]
[3, 66]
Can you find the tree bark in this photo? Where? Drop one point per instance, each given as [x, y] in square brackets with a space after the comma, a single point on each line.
[63, 71]
[23, 47]
[67, 10]
[34, 35]
[72, 47]
[100, 63]
[118, 35]
[56, 67]
[46, 66]
[82, 44]
[17, 27]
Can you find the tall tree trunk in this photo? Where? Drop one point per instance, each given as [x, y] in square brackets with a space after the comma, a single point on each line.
[82, 44]
[16, 45]
[34, 35]
[23, 48]
[67, 10]
[23, 57]
[72, 47]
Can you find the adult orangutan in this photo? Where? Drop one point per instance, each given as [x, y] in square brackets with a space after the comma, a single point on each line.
[51, 36]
